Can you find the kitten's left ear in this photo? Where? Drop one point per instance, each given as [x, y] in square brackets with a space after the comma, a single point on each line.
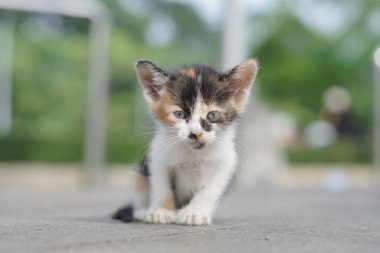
[240, 79]
[152, 78]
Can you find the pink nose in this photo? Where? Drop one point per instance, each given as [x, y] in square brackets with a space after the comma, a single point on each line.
[195, 137]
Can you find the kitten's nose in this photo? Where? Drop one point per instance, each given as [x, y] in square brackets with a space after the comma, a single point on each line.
[195, 136]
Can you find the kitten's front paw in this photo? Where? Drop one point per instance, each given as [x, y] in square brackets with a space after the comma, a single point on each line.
[193, 217]
[159, 215]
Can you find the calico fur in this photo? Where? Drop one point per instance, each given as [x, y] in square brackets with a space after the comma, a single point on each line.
[192, 156]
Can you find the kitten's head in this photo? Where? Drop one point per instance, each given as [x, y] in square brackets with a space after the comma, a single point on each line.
[196, 103]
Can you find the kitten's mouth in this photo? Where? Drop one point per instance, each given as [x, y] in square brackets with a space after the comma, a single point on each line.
[198, 145]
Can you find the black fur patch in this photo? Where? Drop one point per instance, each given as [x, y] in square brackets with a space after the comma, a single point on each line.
[184, 89]
[152, 65]
[199, 145]
[144, 166]
[124, 214]
[212, 86]
[192, 136]
[206, 125]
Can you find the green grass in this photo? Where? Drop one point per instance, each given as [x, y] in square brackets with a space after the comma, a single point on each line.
[130, 149]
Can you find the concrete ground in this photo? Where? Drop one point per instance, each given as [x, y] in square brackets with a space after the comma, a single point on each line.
[297, 220]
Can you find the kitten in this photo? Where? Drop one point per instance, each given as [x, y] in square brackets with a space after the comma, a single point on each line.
[192, 156]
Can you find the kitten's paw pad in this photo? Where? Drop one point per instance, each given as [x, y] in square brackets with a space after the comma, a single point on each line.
[161, 216]
[193, 218]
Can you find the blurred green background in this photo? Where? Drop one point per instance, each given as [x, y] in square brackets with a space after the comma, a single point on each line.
[299, 60]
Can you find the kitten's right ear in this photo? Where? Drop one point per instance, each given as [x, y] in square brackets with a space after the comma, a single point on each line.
[151, 78]
[240, 79]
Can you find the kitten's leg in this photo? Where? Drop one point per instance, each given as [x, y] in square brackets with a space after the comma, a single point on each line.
[138, 189]
[200, 209]
[161, 209]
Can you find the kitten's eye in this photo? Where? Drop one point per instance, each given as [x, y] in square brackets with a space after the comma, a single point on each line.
[179, 114]
[214, 116]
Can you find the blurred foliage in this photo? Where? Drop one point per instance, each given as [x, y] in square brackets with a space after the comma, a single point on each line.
[297, 62]
[301, 64]
[345, 150]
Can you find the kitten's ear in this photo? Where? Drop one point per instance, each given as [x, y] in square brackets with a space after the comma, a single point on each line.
[151, 78]
[240, 79]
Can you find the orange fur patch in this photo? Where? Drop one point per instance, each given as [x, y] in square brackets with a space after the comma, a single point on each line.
[168, 203]
[190, 72]
[141, 184]
[205, 109]
[160, 109]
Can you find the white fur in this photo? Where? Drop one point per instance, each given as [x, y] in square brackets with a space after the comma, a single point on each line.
[199, 174]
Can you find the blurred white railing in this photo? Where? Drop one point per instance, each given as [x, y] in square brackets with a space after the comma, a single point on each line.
[7, 26]
[97, 91]
[376, 116]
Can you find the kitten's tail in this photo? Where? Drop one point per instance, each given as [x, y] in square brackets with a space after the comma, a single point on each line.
[138, 188]
[124, 214]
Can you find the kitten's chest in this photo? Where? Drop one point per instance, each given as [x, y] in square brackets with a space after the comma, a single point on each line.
[196, 172]
[189, 177]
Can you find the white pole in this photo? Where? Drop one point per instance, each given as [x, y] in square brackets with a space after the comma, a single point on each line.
[234, 42]
[95, 134]
[376, 125]
[7, 27]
